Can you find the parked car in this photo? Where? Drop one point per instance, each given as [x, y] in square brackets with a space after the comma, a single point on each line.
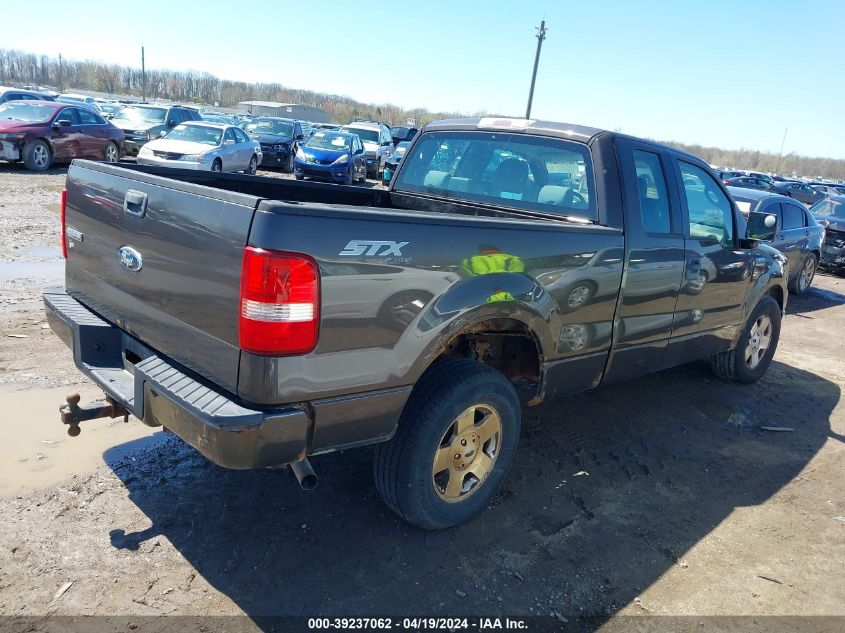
[749, 182]
[761, 176]
[830, 213]
[219, 118]
[81, 100]
[108, 110]
[799, 190]
[377, 144]
[400, 134]
[238, 360]
[19, 94]
[203, 145]
[41, 133]
[335, 156]
[327, 126]
[143, 122]
[726, 175]
[797, 235]
[829, 190]
[391, 162]
[279, 139]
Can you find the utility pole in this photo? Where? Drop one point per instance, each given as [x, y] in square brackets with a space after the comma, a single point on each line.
[143, 78]
[541, 35]
[60, 73]
[777, 167]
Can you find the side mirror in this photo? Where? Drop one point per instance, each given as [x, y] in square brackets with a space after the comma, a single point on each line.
[386, 143]
[162, 134]
[171, 123]
[62, 123]
[761, 227]
[229, 141]
[300, 137]
[359, 151]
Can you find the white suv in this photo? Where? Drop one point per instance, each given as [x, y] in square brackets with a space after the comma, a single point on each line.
[378, 144]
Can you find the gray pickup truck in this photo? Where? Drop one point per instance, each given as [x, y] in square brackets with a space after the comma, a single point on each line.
[511, 262]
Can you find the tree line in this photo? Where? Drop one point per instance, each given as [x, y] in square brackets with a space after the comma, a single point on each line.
[22, 68]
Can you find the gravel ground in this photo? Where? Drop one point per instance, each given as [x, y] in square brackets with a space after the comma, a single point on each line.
[660, 496]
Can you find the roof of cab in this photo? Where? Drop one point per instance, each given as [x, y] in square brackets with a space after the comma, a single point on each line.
[580, 133]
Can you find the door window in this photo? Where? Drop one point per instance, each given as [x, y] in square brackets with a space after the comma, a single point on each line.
[68, 114]
[793, 216]
[86, 117]
[240, 136]
[710, 211]
[230, 135]
[652, 193]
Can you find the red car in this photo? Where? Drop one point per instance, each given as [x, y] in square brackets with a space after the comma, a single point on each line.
[41, 133]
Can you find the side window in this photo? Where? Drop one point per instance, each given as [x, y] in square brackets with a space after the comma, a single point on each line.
[710, 211]
[230, 135]
[793, 216]
[652, 193]
[240, 136]
[86, 117]
[68, 114]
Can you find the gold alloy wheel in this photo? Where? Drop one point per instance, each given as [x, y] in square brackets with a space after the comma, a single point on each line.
[467, 453]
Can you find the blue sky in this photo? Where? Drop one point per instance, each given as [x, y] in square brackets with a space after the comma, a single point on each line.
[726, 73]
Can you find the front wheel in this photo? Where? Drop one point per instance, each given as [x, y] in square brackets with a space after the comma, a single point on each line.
[804, 279]
[253, 166]
[217, 165]
[750, 359]
[453, 447]
[289, 163]
[37, 156]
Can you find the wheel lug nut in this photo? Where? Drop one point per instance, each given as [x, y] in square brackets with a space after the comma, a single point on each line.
[463, 442]
[457, 455]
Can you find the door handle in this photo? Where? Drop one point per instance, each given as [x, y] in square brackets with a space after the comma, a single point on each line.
[135, 203]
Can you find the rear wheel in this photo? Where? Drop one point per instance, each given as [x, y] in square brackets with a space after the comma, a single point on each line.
[37, 156]
[217, 165]
[111, 153]
[804, 279]
[750, 359]
[455, 442]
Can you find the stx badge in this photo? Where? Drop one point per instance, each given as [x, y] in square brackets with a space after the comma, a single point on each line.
[371, 248]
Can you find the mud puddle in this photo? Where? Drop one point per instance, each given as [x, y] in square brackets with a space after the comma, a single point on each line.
[36, 450]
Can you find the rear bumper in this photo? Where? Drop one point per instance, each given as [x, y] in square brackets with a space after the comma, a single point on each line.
[158, 393]
[228, 432]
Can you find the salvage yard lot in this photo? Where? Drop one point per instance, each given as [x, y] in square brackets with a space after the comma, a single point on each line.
[663, 495]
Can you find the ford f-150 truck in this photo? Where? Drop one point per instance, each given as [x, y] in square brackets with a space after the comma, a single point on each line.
[510, 262]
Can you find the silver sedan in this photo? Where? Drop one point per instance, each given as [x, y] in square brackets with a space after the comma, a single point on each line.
[203, 145]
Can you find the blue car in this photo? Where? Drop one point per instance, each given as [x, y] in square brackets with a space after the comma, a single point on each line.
[328, 155]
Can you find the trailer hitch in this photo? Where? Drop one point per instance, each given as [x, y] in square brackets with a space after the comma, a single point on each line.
[72, 414]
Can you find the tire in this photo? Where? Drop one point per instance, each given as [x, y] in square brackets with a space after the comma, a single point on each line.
[733, 365]
[253, 166]
[217, 165]
[298, 177]
[380, 169]
[350, 176]
[804, 279]
[452, 393]
[289, 164]
[111, 154]
[37, 156]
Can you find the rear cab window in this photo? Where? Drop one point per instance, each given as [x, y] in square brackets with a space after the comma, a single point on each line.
[520, 171]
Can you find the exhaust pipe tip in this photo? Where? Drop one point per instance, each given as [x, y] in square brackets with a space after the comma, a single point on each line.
[304, 474]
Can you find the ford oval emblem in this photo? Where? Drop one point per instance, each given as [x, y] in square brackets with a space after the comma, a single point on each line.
[130, 259]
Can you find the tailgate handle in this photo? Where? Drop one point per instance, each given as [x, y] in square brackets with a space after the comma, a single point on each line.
[135, 203]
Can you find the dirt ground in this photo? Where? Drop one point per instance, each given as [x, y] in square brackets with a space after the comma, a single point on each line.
[660, 496]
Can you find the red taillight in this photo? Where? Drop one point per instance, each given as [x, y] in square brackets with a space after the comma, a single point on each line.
[64, 233]
[279, 311]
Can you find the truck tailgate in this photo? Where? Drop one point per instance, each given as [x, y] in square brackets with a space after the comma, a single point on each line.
[186, 242]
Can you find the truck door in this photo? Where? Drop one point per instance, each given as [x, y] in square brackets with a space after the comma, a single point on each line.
[792, 236]
[654, 261]
[717, 272]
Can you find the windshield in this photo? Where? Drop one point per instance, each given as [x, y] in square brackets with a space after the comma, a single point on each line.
[110, 107]
[366, 136]
[270, 126]
[28, 112]
[141, 114]
[196, 134]
[513, 170]
[327, 140]
[829, 208]
[401, 148]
